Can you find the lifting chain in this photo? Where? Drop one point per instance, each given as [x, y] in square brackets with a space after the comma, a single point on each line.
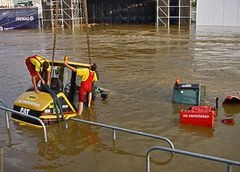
[85, 13]
[55, 27]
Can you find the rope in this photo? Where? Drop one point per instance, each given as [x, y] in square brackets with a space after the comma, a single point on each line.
[54, 96]
[55, 25]
[85, 12]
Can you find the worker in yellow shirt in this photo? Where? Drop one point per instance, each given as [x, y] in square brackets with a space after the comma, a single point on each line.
[36, 65]
[88, 75]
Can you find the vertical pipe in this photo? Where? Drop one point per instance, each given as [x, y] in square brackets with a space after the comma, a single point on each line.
[72, 12]
[7, 119]
[66, 124]
[157, 14]
[148, 162]
[114, 135]
[229, 168]
[6, 113]
[179, 14]
[61, 10]
[39, 22]
[217, 103]
[199, 95]
[42, 26]
[52, 17]
[44, 130]
[190, 14]
[169, 15]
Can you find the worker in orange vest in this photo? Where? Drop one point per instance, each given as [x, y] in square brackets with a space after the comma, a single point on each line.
[88, 75]
[36, 66]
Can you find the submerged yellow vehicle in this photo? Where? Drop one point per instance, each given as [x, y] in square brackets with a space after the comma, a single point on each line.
[64, 86]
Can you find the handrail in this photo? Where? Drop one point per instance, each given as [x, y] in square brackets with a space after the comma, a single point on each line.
[1, 159]
[196, 155]
[29, 116]
[6, 114]
[123, 130]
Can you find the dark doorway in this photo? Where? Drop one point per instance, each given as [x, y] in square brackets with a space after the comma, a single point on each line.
[122, 12]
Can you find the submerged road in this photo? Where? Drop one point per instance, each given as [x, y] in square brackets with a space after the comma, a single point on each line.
[137, 67]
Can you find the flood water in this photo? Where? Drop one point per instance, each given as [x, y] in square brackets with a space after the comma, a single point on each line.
[137, 67]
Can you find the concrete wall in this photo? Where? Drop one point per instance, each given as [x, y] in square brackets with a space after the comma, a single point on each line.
[218, 12]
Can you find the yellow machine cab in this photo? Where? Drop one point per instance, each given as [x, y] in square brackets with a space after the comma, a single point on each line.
[60, 104]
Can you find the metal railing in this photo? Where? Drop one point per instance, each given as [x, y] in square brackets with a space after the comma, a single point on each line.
[1, 159]
[6, 114]
[229, 163]
[32, 117]
[121, 129]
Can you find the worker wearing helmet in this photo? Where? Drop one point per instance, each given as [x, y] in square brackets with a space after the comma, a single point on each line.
[88, 75]
[36, 65]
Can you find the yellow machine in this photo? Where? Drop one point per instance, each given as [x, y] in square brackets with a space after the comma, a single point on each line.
[64, 85]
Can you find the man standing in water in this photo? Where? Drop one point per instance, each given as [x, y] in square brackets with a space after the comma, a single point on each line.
[36, 65]
[88, 75]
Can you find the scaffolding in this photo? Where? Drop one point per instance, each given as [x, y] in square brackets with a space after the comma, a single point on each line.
[70, 13]
[168, 12]
[173, 12]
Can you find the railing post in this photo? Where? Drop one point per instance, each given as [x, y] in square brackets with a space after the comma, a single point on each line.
[229, 163]
[44, 132]
[6, 113]
[114, 135]
[123, 130]
[66, 124]
[7, 120]
[29, 116]
[229, 168]
[114, 129]
[148, 162]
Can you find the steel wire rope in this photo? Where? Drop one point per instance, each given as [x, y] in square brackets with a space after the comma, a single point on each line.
[85, 13]
[55, 26]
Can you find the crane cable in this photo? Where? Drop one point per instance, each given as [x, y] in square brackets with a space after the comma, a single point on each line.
[85, 13]
[54, 96]
[55, 26]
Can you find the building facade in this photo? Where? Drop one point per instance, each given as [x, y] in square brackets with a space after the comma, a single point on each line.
[218, 12]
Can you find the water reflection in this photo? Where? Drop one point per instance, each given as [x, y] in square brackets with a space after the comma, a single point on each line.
[71, 141]
[230, 113]
[79, 139]
[231, 110]
[205, 132]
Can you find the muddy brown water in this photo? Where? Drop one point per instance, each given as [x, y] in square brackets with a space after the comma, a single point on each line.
[138, 67]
